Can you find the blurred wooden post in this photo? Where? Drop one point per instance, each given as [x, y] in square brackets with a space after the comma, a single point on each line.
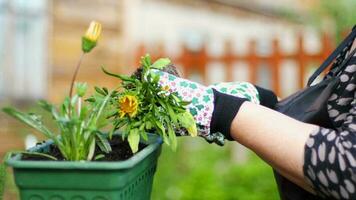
[185, 61]
[160, 52]
[253, 61]
[228, 60]
[326, 47]
[301, 59]
[275, 60]
[201, 62]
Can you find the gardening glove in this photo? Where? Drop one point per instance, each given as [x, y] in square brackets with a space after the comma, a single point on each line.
[209, 103]
[265, 97]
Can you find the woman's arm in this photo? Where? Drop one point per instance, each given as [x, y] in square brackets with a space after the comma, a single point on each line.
[276, 138]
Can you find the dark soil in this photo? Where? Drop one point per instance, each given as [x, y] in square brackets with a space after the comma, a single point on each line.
[120, 151]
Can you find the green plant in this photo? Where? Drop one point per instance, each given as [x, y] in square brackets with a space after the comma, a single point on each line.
[79, 131]
[143, 106]
[80, 123]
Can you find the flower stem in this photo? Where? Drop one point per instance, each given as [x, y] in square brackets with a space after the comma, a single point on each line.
[73, 81]
[75, 75]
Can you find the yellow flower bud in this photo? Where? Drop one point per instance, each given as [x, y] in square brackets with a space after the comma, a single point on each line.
[93, 32]
[91, 36]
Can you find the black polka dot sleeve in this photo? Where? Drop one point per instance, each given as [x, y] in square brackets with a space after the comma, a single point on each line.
[330, 154]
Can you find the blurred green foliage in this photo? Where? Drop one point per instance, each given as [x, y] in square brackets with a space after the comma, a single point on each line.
[340, 15]
[198, 170]
[2, 179]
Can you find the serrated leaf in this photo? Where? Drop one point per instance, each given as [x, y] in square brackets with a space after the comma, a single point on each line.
[134, 139]
[161, 63]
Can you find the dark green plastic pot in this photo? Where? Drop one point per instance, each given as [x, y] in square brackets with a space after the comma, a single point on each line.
[65, 180]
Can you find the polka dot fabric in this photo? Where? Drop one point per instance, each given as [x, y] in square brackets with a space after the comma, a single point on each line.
[330, 155]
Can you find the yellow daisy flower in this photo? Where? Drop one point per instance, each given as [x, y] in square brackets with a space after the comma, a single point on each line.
[128, 104]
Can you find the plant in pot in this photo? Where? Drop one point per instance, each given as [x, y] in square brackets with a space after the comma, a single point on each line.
[106, 145]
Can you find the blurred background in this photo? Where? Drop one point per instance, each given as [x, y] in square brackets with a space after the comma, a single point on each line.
[275, 44]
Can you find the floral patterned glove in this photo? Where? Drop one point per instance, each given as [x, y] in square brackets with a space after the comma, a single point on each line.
[238, 89]
[202, 100]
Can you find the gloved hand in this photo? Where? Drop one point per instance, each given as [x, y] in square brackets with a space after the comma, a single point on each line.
[210, 106]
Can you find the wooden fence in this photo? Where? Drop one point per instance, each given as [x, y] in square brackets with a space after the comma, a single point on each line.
[197, 61]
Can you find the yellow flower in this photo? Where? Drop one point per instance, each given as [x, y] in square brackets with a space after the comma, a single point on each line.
[91, 37]
[128, 104]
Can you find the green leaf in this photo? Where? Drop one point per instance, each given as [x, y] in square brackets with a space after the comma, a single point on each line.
[148, 125]
[144, 135]
[187, 121]
[49, 107]
[34, 154]
[91, 150]
[81, 89]
[155, 77]
[172, 115]
[146, 60]
[162, 130]
[100, 91]
[103, 142]
[30, 121]
[90, 99]
[106, 90]
[98, 157]
[185, 103]
[161, 63]
[134, 139]
[172, 137]
[122, 77]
